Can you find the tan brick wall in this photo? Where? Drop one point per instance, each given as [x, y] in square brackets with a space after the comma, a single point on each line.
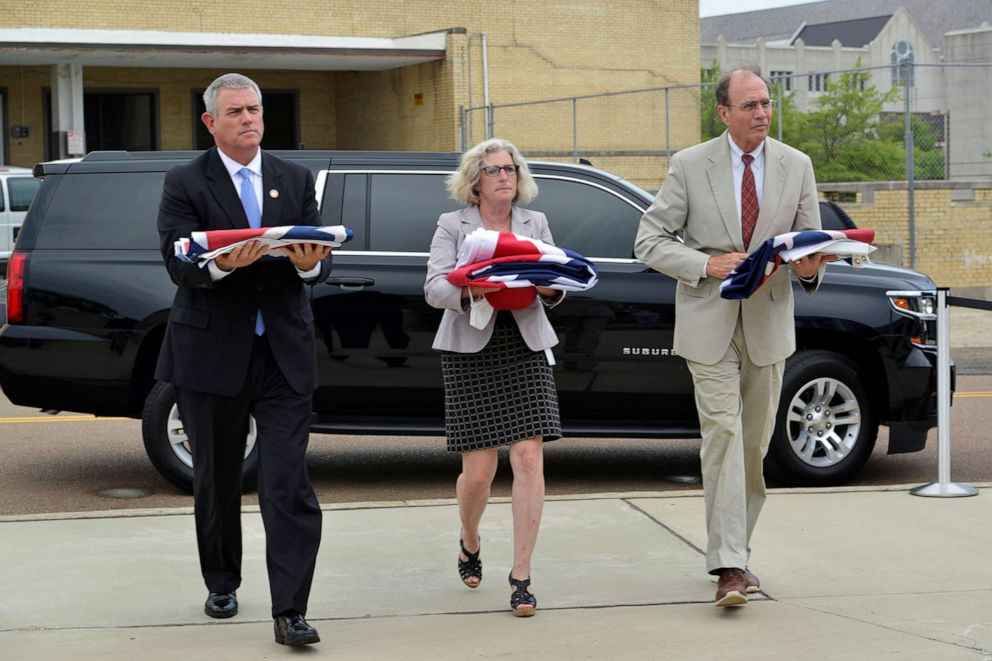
[22, 86]
[537, 50]
[953, 239]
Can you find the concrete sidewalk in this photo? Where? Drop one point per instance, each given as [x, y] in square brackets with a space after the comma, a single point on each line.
[847, 574]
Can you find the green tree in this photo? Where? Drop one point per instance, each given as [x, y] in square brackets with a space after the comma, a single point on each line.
[710, 123]
[843, 137]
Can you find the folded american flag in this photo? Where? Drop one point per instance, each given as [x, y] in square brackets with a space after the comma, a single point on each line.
[503, 260]
[201, 247]
[759, 266]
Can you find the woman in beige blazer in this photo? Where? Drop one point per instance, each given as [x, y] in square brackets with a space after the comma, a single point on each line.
[499, 387]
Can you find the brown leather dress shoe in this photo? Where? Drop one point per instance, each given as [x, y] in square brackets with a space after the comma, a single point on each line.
[752, 582]
[731, 589]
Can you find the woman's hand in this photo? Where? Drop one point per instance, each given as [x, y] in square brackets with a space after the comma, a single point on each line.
[548, 292]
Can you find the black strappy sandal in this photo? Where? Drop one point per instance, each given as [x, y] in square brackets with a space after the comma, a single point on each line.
[471, 568]
[522, 602]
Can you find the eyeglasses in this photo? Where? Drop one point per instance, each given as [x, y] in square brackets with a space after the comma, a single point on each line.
[493, 170]
[751, 106]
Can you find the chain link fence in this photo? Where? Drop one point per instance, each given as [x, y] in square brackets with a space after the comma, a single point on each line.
[899, 127]
[856, 124]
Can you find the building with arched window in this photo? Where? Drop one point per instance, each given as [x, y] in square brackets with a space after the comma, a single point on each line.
[907, 44]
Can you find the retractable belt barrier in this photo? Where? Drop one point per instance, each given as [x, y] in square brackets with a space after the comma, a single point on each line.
[943, 487]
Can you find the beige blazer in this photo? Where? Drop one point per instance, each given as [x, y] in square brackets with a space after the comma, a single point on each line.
[455, 333]
[697, 199]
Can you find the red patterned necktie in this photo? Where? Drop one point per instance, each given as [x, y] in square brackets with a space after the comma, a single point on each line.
[749, 202]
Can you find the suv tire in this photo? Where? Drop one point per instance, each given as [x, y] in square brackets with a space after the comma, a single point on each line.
[167, 445]
[825, 428]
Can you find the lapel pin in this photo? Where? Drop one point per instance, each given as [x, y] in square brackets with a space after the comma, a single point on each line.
[273, 193]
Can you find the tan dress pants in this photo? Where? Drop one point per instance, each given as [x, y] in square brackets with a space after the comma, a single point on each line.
[736, 400]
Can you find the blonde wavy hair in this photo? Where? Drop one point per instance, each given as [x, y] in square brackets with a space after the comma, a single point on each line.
[463, 182]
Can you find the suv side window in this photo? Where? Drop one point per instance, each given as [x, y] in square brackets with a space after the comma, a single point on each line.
[587, 219]
[404, 210]
[120, 212]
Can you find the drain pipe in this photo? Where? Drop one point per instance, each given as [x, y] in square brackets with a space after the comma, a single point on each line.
[485, 87]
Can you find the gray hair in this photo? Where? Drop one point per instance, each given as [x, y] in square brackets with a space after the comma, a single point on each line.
[463, 182]
[723, 84]
[229, 81]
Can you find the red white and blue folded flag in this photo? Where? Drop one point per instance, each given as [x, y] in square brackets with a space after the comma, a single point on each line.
[503, 260]
[201, 247]
[763, 262]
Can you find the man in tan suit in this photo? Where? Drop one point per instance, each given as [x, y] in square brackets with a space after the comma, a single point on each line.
[735, 349]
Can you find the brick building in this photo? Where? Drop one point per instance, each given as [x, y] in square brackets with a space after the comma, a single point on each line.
[394, 74]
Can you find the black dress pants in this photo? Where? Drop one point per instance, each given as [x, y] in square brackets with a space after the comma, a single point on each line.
[216, 427]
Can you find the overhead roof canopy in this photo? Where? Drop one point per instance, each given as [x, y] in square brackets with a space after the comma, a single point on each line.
[215, 50]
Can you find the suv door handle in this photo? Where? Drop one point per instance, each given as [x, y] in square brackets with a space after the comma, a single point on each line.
[350, 283]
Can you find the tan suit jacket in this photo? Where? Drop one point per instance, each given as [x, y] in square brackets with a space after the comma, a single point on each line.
[455, 333]
[697, 201]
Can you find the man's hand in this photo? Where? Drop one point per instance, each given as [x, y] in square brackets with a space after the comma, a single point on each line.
[720, 266]
[808, 266]
[305, 256]
[241, 256]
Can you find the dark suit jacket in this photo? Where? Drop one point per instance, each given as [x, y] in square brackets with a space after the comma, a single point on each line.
[211, 329]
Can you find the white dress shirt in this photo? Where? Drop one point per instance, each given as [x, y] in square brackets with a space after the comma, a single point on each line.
[234, 169]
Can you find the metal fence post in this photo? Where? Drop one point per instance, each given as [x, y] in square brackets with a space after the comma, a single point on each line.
[462, 115]
[575, 130]
[490, 120]
[668, 132]
[943, 487]
[781, 108]
[907, 69]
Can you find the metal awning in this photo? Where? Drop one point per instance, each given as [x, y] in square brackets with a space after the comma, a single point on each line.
[215, 50]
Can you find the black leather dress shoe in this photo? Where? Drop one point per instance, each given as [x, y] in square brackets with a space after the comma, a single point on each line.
[292, 629]
[221, 605]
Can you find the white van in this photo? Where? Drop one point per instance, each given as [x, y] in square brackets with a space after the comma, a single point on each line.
[17, 189]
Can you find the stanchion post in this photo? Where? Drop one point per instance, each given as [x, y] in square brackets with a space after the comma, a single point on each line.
[943, 487]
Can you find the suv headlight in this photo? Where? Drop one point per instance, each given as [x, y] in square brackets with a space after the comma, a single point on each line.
[922, 307]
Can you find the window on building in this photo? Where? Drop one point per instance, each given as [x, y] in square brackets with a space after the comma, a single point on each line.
[818, 82]
[282, 120]
[783, 78]
[112, 119]
[902, 54]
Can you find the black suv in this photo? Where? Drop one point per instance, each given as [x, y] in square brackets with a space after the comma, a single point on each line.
[88, 300]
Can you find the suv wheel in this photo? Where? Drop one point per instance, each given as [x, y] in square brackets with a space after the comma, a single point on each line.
[825, 428]
[168, 446]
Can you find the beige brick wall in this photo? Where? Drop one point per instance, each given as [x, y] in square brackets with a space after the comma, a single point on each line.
[536, 50]
[22, 87]
[953, 240]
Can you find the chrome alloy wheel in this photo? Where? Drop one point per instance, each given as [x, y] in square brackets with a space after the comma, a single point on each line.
[179, 442]
[824, 421]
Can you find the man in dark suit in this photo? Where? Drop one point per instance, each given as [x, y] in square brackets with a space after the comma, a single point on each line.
[722, 198]
[240, 342]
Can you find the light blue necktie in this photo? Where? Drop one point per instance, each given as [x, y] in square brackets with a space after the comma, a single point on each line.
[250, 203]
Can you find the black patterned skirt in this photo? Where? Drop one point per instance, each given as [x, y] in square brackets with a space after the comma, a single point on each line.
[503, 393]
